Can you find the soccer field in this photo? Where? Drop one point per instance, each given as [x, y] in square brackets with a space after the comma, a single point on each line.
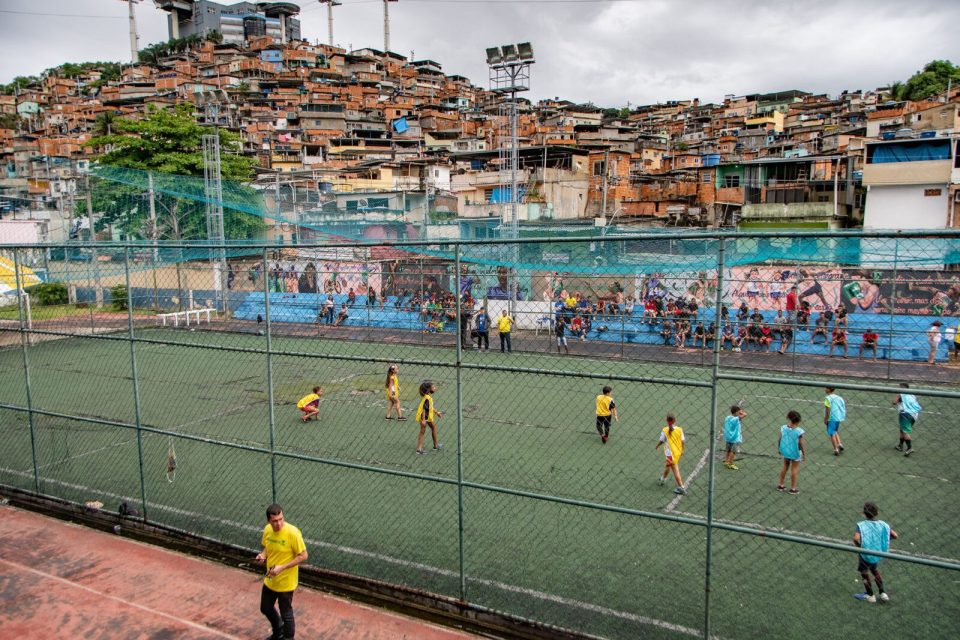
[535, 541]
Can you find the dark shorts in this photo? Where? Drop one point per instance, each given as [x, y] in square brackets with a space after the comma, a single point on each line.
[733, 447]
[603, 422]
[906, 422]
[863, 566]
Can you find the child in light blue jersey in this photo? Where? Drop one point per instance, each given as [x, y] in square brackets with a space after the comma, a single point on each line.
[834, 412]
[908, 409]
[732, 435]
[793, 451]
[872, 535]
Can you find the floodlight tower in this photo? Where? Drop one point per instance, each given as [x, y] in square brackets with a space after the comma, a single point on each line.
[330, 5]
[386, 24]
[510, 74]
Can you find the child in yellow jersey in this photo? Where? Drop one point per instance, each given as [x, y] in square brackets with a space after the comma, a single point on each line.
[671, 436]
[426, 415]
[393, 393]
[310, 404]
[606, 407]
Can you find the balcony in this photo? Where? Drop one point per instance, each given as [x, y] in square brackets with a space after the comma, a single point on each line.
[799, 211]
[922, 172]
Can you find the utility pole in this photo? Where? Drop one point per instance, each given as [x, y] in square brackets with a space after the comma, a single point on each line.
[606, 173]
[134, 38]
[94, 259]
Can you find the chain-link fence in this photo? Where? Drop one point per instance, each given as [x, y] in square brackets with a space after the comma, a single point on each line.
[168, 376]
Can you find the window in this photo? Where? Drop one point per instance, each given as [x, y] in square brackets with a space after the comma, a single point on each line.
[599, 168]
[732, 181]
[382, 203]
[351, 205]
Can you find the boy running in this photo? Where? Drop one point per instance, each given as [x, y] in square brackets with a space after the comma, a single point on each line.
[606, 407]
[909, 411]
[872, 535]
[793, 451]
[425, 416]
[671, 436]
[310, 405]
[733, 436]
[834, 412]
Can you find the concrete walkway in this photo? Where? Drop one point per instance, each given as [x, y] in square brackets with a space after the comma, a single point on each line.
[64, 581]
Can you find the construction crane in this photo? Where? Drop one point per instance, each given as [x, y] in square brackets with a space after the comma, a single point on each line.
[330, 5]
[134, 38]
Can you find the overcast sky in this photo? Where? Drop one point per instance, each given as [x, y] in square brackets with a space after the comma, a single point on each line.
[609, 52]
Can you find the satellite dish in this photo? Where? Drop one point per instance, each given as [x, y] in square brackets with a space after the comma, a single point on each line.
[362, 202]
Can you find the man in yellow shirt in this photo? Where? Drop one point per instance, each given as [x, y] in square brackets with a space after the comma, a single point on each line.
[283, 551]
[504, 324]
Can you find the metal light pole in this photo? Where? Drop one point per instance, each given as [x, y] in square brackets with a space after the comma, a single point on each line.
[386, 24]
[330, 5]
[510, 74]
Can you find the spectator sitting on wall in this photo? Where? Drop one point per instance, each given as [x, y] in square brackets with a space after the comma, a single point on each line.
[756, 317]
[650, 311]
[342, 316]
[779, 322]
[743, 312]
[699, 335]
[870, 339]
[803, 315]
[667, 331]
[820, 328]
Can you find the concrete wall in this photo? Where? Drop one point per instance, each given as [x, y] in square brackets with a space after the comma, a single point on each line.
[906, 207]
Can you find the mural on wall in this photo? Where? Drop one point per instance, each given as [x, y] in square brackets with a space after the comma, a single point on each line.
[309, 276]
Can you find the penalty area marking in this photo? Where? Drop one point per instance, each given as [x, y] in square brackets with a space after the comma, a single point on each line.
[540, 595]
[102, 594]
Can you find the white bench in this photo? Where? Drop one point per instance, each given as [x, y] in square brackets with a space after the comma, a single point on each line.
[177, 315]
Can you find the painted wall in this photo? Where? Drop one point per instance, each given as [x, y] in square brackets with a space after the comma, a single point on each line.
[906, 207]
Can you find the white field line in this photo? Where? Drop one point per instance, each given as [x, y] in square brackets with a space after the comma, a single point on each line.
[540, 595]
[807, 534]
[130, 603]
[690, 478]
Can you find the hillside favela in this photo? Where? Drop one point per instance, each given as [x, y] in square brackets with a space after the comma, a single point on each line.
[462, 319]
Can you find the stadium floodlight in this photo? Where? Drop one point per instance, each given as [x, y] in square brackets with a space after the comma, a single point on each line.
[510, 53]
[494, 56]
[526, 51]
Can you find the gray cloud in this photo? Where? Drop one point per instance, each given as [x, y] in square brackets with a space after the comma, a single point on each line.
[605, 52]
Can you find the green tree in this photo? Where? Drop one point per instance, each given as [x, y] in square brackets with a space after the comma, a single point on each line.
[931, 80]
[168, 143]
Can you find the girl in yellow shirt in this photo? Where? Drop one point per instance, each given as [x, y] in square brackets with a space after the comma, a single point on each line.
[392, 390]
[671, 436]
[427, 414]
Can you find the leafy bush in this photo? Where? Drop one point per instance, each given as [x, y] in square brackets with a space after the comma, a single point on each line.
[118, 296]
[50, 293]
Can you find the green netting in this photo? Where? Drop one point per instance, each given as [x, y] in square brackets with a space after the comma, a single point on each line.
[614, 250]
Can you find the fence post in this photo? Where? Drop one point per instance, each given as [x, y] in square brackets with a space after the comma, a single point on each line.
[460, 541]
[24, 337]
[272, 422]
[714, 414]
[893, 304]
[136, 380]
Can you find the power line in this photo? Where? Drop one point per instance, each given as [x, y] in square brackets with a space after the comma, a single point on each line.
[63, 15]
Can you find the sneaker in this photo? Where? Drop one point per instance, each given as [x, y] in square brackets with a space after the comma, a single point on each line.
[794, 492]
[781, 488]
[842, 448]
[661, 480]
[733, 467]
[899, 447]
[420, 452]
[884, 597]
[865, 597]
[604, 439]
[836, 452]
[389, 417]
[401, 418]
[907, 452]
[679, 491]
[438, 447]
